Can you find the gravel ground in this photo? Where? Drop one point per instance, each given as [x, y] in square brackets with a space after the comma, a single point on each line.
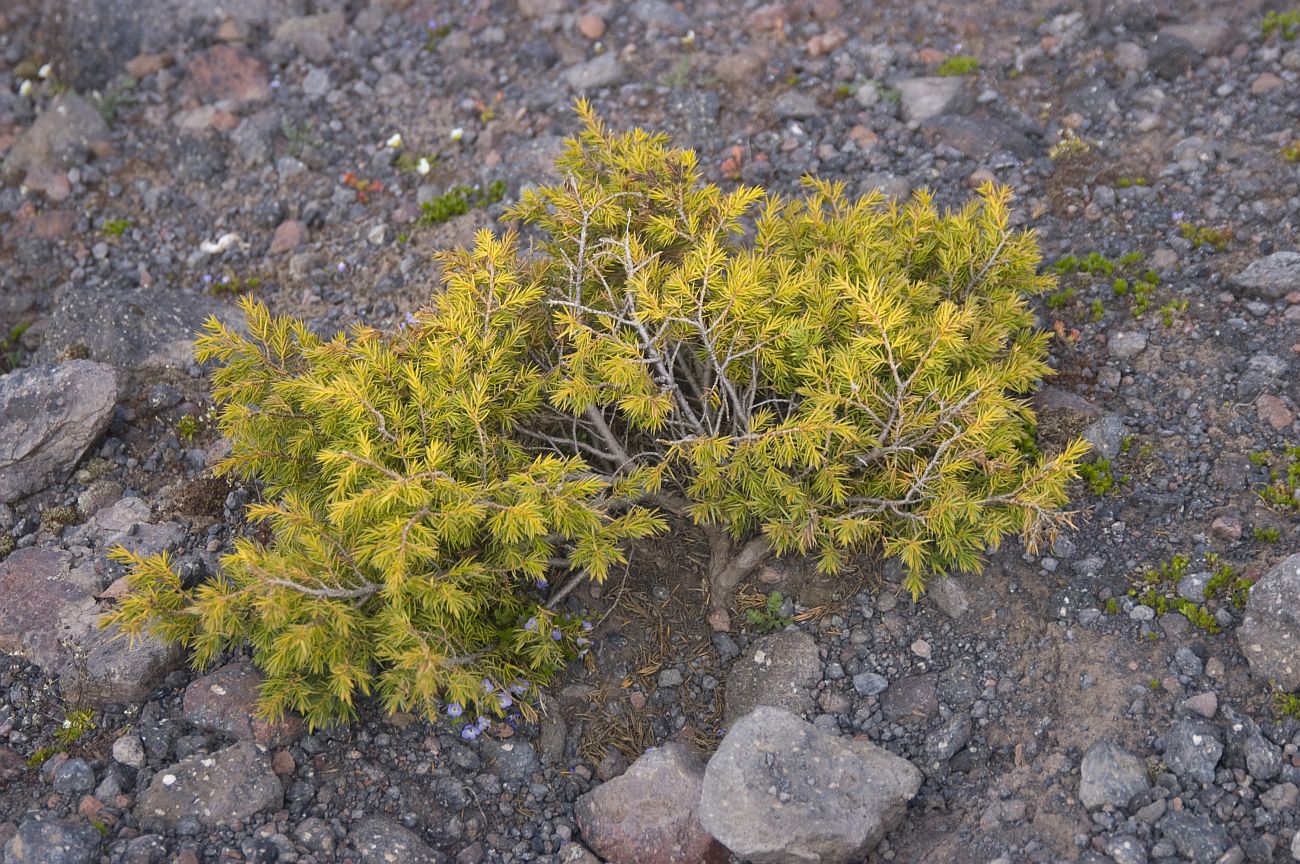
[222, 148]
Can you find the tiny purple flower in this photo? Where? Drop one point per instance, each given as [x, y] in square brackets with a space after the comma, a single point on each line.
[542, 583]
[531, 625]
[556, 634]
[505, 701]
[455, 710]
[482, 723]
[343, 266]
[410, 319]
[518, 688]
[469, 733]
[488, 686]
[1177, 215]
[207, 278]
[586, 625]
[432, 23]
[580, 641]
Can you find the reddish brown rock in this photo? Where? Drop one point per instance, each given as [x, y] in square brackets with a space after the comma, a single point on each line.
[591, 26]
[649, 814]
[1265, 82]
[288, 236]
[226, 701]
[228, 72]
[11, 764]
[1273, 411]
[144, 65]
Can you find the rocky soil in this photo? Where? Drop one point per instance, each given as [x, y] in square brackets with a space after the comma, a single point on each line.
[1119, 697]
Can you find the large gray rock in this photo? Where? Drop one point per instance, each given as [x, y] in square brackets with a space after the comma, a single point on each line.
[780, 669]
[924, 98]
[41, 840]
[780, 791]
[49, 417]
[603, 70]
[1271, 277]
[379, 841]
[1110, 775]
[1270, 634]
[50, 616]
[226, 701]
[221, 788]
[63, 136]
[137, 329]
[649, 815]
[1193, 750]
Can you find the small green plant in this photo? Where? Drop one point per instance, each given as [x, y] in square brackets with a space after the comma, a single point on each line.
[1286, 704]
[411, 162]
[1126, 444]
[187, 427]
[1129, 182]
[1200, 235]
[767, 618]
[55, 519]
[1100, 476]
[1069, 147]
[300, 137]
[116, 96]
[958, 64]
[232, 285]
[437, 33]
[1225, 583]
[75, 726]
[116, 227]
[1286, 24]
[7, 544]
[1172, 308]
[1284, 481]
[1154, 684]
[1291, 152]
[459, 200]
[41, 756]
[1098, 309]
[679, 75]
[844, 91]
[1267, 535]
[11, 345]
[1059, 299]
[1112, 606]
[1259, 458]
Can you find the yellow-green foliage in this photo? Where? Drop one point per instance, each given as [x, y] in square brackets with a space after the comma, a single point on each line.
[409, 527]
[853, 378]
[812, 375]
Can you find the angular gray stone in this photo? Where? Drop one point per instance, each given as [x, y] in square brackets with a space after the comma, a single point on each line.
[911, 699]
[780, 791]
[221, 788]
[40, 840]
[1270, 634]
[1195, 835]
[923, 98]
[1271, 277]
[780, 669]
[1193, 749]
[1110, 775]
[793, 105]
[1106, 435]
[225, 700]
[947, 593]
[133, 330]
[603, 70]
[49, 417]
[977, 137]
[649, 815]
[379, 841]
[1126, 345]
[62, 137]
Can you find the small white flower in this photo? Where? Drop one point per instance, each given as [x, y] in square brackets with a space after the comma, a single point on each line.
[689, 38]
[457, 133]
[25, 88]
[395, 142]
[422, 166]
[44, 71]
